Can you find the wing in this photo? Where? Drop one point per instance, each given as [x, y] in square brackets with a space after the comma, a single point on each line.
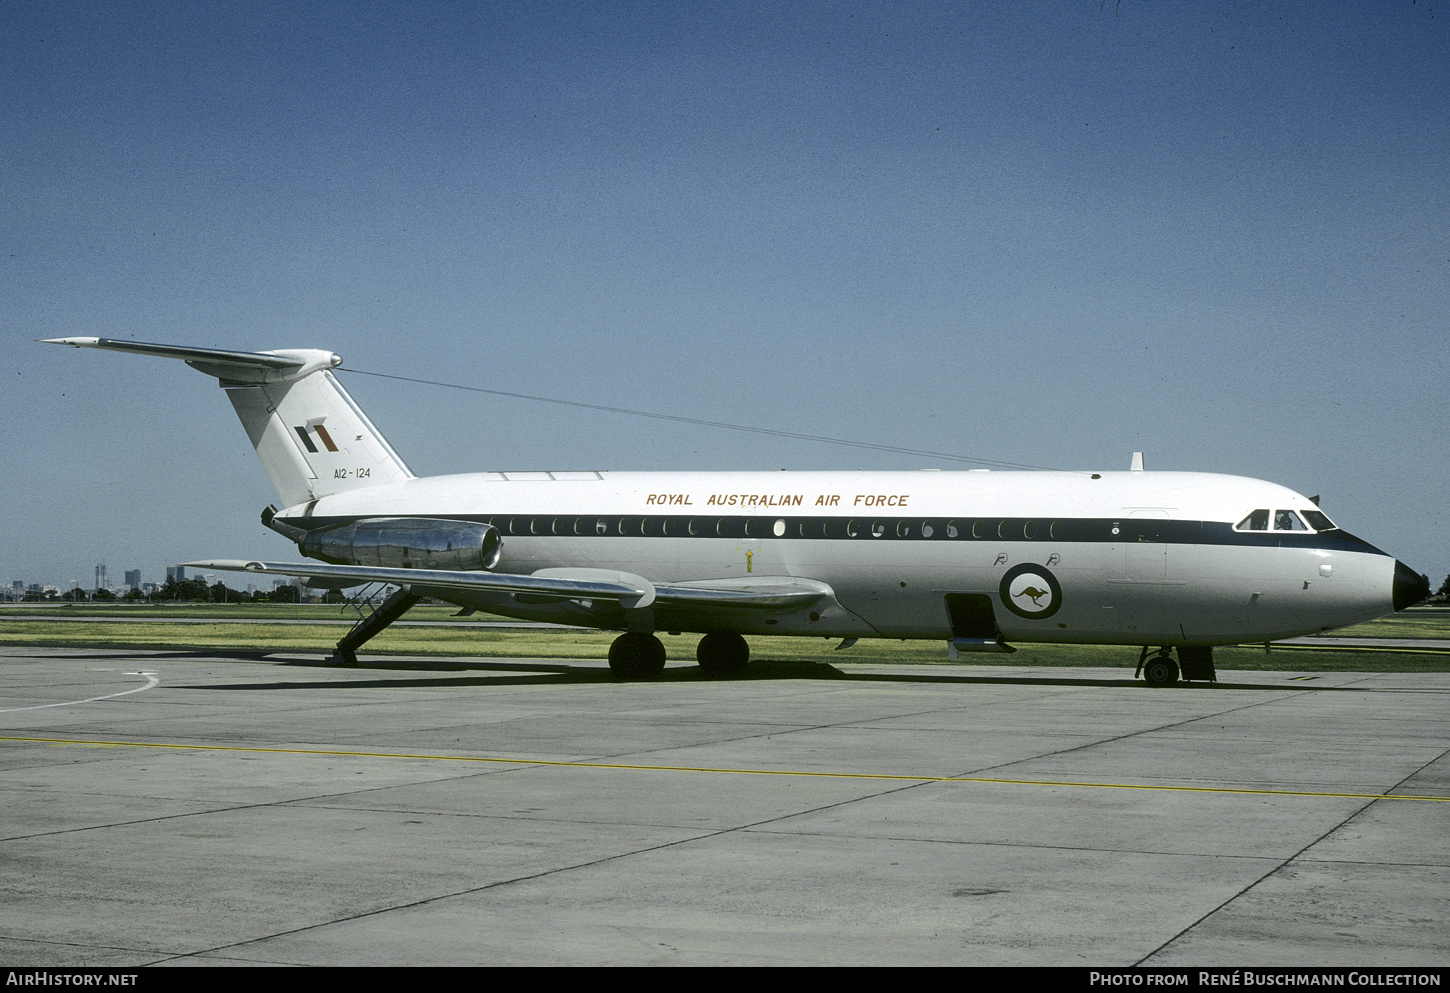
[629, 590]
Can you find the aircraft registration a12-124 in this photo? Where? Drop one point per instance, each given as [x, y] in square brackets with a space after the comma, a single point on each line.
[976, 559]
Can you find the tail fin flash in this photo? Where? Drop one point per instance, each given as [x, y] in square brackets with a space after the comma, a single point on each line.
[312, 437]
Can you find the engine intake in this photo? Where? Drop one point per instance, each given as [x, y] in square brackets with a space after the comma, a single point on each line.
[406, 543]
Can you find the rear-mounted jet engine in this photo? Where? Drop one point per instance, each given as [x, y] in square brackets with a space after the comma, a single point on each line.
[406, 543]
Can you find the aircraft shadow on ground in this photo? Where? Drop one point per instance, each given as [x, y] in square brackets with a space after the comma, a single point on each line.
[521, 673]
[516, 673]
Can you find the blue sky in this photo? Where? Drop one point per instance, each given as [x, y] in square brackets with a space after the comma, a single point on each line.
[1047, 233]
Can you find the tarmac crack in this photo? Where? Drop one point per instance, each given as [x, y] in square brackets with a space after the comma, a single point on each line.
[1121, 737]
[528, 877]
[1296, 857]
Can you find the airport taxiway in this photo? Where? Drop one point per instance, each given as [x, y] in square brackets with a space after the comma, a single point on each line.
[181, 807]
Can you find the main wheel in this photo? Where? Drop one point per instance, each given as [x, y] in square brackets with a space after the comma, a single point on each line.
[1160, 670]
[636, 655]
[722, 653]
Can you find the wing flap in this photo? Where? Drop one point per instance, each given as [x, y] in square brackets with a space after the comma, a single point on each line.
[629, 594]
[762, 593]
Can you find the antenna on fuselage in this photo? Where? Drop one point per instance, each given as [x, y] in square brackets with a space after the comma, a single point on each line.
[1137, 463]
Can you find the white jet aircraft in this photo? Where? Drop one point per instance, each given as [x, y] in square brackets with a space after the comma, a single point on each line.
[977, 559]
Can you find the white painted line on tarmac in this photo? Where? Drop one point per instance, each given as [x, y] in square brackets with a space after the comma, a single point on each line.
[151, 680]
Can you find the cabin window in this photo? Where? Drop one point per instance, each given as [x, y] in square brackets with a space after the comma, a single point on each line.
[952, 530]
[1029, 530]
[926, 529]
[979, 529]
[1002, 530]
[779, 528]
[649, 526]
[1257, 521]
[853, 529]
[878, 529]
[1052, 531]
[628, 525]
[563, 525]
[903, 529]
[1287, 520]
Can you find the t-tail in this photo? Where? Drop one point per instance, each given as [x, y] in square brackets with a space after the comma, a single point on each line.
[311, 436]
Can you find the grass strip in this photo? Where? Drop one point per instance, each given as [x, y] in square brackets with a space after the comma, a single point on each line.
[469, 641]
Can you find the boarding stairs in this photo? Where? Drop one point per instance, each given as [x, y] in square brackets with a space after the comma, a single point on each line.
[371, 618]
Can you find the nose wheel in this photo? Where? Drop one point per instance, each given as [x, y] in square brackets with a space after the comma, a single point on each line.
[1160, 670]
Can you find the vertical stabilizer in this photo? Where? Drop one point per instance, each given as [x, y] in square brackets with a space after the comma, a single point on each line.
[311, 436]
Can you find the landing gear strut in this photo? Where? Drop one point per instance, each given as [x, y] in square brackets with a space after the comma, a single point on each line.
[636, 655]
[722, 654]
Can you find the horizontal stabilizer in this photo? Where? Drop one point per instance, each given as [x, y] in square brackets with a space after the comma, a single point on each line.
[231, 366]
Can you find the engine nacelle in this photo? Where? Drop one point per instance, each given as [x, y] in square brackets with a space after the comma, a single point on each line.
[406, 543]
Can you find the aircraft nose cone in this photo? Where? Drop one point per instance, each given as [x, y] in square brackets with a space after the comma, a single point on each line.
[1409, 587]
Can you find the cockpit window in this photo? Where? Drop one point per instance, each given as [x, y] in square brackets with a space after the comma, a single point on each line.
[1257, 521]
[1318, 521]
[1287, 520]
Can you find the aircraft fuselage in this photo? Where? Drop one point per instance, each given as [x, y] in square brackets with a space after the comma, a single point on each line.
[1107, 558]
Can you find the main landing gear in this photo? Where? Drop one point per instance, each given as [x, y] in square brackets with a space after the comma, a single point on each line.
[639, 655]
[636, 655]
[1161, 670]
[722, 654]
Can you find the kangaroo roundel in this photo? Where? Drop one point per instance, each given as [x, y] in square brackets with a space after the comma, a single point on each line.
[1030, 591]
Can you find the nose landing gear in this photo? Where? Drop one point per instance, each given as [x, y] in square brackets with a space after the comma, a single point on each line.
[1161, 670]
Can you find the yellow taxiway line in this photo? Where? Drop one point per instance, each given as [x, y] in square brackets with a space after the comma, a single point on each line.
[488, 759]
